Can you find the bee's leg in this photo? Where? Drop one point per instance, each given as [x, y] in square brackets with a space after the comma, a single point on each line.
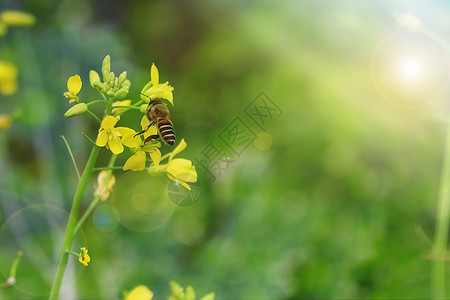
[152, 137]
[139, 133]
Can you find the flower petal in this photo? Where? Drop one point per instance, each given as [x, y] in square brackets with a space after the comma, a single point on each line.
[182, 169]
[74, 84]
[136, 162]
[154, 75]
[129, 137]
[141, 292]
[178, 181]
[144, 122]
[156, 157]
[109, 122]
[102, 138]
[120, 103]
[115, 145]
[180, 147]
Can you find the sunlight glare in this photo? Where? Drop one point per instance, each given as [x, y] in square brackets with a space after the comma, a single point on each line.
[410, 69]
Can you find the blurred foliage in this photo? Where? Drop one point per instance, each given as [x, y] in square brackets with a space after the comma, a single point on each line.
[341, 206]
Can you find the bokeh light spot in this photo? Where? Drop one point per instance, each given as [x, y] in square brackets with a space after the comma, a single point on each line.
[141, 201]
[105, 218]
[263, 141]
[302, 122]
[410, 69]
[182, 197]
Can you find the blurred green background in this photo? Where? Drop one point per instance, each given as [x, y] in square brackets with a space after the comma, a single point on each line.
[340, 204]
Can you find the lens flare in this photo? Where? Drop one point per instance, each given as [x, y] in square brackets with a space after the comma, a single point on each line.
[410, 69]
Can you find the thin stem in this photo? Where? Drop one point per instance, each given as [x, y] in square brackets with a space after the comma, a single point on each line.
[96, 101]
[68, 236]
[95, 117]
[72, 252]
[71, 156]
[165, 156]
[127, 109]
[108, 168]
[97, 198]
[130, 107]
[442, 222]
[86, 136]
[13, 271]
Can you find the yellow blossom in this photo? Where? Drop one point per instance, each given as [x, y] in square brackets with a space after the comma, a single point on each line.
[16, 18]
[154, 89]
[141, 292]
[179, 170]
[115, 137]
[120, 103]
[104, 188]
[138, 160]
[5, 121]
[73, 86]
[8, 78]
[84, 257]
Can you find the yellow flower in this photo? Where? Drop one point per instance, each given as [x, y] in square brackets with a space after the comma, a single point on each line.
[104, 188]
[137, 161]
[141, 292]
[120, 103]
[84, 257]
[16, 18]
[73, 86]
[115, 137]
[5, 121]
[179, 170]
[154, 89]
[8, 78]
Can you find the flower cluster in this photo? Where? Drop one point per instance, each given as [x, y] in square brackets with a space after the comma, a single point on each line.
[141, 292]
[8, 71]
[84, 257]
[10, 18]
[145, 154]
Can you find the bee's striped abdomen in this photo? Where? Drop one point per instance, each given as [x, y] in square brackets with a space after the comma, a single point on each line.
[165, 130]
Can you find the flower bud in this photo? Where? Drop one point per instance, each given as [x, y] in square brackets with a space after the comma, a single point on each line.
[104, 187]
[110, 93]
[112, 77]
[122, 77]
[106, 65]
[121, 93]
[99, 86]
[76, 110]
[105, 76]
[127, 83]
[93, 77]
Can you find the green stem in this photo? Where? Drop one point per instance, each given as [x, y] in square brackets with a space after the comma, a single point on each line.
[97, 198]
[108, 168]
[72, 252]
[71, 156]
[15, 263]
[86, 136]
[442, 222]
[94, 116]
[129, 108]
[96, 101]
[68, 236]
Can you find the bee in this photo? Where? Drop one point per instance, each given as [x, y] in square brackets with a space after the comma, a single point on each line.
[159, 114]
